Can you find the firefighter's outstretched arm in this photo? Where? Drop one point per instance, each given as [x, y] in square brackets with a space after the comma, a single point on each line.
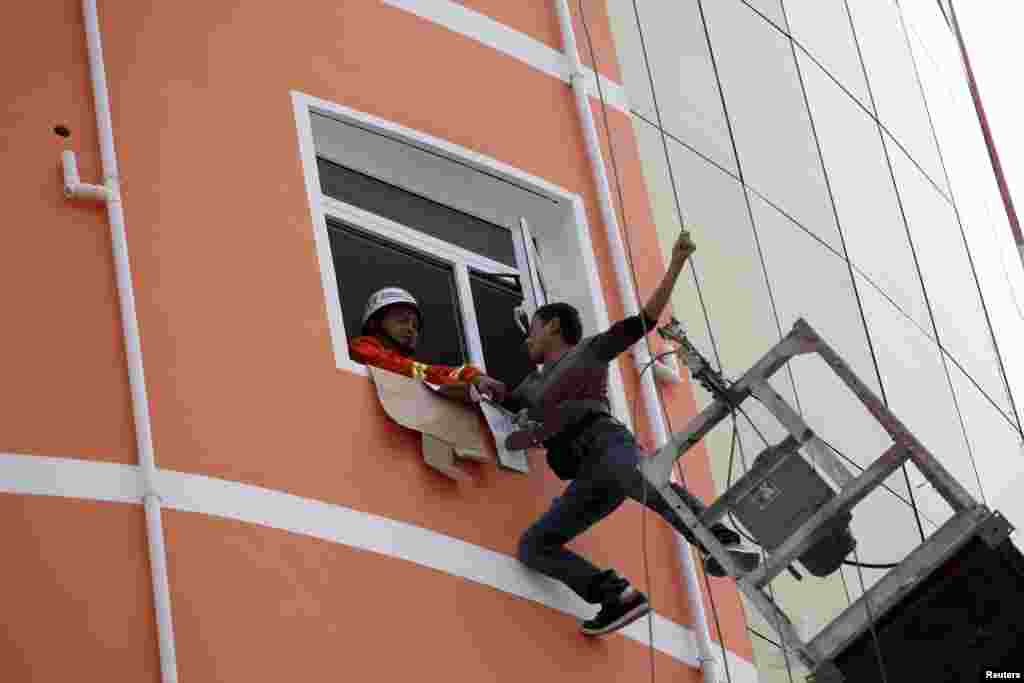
[370, 351]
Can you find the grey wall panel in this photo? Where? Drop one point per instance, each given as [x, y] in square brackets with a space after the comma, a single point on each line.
[681, 69]
[948, 280]
[821, 292]
[823, 28]
[727, 262]
[995, 445]
[730, 276]
[806, 272]
[891, 76]
[865, 199]
[770, 9]
[770, 121]
[974, 189]
[916, 383]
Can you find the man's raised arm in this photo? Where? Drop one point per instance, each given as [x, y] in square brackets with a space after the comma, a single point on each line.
[681, 253]
[625, 333]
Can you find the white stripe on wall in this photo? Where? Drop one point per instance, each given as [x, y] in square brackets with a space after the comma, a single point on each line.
[71, 478]
[498, 36]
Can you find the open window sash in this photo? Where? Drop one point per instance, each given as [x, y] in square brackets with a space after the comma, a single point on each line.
[530, 275]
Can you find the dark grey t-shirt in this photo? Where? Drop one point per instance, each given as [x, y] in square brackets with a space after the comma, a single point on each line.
[577, 383]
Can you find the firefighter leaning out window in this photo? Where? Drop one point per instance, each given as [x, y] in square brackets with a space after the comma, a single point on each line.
[392, 324]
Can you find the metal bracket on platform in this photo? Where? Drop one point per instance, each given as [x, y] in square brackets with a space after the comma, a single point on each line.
[995, 530]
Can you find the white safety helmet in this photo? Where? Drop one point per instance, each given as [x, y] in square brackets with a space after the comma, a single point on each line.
[389, 296]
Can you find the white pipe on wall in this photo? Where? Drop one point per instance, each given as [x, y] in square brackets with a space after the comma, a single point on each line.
[641, 355]
[74, 188]
[130, 325]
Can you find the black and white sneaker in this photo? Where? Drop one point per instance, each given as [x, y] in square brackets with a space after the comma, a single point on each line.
[622, 611]
[747, 560]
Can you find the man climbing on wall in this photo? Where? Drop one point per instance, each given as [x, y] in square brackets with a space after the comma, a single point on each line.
[392, 324]
[566, 404]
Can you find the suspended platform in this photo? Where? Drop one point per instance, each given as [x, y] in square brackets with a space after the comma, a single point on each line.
[952, 605]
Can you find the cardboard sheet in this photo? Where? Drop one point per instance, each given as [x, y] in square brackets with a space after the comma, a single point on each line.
[448, 418]
[412, 404]
[441, 456]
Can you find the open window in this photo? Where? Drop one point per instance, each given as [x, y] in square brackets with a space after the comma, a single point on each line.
[496, 301]
[468, 298]
[463, 233]
[530, 275]
[365, 261]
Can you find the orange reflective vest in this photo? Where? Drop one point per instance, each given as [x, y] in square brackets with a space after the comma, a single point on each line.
[371, 351]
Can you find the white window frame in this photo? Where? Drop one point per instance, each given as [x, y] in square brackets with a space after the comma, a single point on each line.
[531, 279]
[321, 207]
[460, 260]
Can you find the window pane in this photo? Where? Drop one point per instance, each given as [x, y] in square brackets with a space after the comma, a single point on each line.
[364, 264]
[416, 212]
[502, 341]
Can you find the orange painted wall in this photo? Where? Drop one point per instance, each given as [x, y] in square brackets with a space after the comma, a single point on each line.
[240, 373]
[541, 23]
[327, 612]
[62, 366]
[77, 603]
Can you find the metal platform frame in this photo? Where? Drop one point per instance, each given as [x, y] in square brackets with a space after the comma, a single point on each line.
[970, 518]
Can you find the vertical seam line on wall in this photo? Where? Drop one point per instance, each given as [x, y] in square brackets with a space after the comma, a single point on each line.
[913, 251]
[746, 195]
[959, 220]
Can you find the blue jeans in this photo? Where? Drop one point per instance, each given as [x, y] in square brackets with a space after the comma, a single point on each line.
[608, 475]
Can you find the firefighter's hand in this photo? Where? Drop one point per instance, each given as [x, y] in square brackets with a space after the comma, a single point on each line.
[683, 248]
[488, 385]
[460, 391]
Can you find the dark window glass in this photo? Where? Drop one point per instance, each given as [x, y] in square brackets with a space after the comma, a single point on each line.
[419, 213]
[502, 340]
[364, 263]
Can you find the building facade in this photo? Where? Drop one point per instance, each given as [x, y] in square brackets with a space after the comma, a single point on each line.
[827, 156]
[200, 483]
